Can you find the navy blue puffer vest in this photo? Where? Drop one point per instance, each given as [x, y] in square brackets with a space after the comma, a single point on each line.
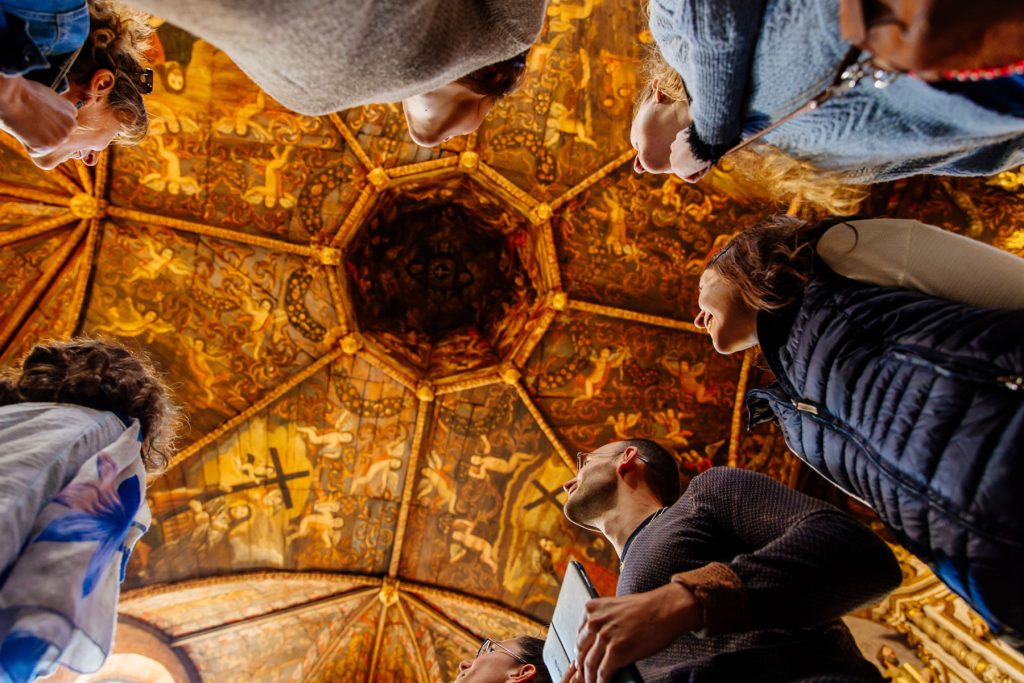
[915, 405]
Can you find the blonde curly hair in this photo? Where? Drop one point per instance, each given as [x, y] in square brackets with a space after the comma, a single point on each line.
[783, 179]
[118, 39]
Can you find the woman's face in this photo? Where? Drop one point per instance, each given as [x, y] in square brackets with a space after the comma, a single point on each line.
[97, 124]
[439, 115]
[657, 122]
[731, 322]
[496, 666]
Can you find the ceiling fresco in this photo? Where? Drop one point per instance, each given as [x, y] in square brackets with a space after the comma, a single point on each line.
[388, 354]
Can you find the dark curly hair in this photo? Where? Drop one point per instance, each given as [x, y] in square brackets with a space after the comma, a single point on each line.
[769, 264]
[497, 80]
[101, 375]
[532, 650]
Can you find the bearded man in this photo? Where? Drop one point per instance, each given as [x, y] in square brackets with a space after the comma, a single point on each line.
[739, 578]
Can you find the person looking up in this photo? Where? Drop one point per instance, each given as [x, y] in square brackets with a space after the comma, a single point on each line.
[507, 661]
[72, 78]
[736, 578]
[896, 350]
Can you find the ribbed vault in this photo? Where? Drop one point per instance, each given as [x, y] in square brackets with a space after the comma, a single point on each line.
[357, 501]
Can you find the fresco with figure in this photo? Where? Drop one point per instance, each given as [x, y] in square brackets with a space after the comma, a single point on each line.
[389, 494]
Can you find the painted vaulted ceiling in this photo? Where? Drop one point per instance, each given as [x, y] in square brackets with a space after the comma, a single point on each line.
[389, 354]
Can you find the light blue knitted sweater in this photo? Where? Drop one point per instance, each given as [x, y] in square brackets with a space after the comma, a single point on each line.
[749, 62]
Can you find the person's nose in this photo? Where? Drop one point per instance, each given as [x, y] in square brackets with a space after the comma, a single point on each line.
[465, 664]
[567, 486]
[701, 320]
[637, 166]
[91, 158]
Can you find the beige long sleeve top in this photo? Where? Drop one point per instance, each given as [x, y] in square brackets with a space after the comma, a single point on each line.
[895, 252]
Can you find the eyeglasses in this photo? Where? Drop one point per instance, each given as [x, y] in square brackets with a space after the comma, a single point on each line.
[581, 457]
[489, 645]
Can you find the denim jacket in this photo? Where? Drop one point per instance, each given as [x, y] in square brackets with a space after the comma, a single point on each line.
[36, 35]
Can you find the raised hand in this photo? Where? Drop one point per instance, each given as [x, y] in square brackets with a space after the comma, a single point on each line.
[619, 631]
[683, 163]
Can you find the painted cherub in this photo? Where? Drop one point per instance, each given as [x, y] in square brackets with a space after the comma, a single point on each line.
[690, 378]
[671, 420]
[169, 178]
[462, 533]
[272, 193]
[323, 523]
[135, 323]
[480, 465]
[623, 423]
[435, 479]
[602, 365]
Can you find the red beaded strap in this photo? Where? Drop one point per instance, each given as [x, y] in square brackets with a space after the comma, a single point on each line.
[1014, 69]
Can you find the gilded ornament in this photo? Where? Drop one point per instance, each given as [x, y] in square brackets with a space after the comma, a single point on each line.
[379, 177]
[542, 212]
[425, 392]
[388, 594]
[350, 344]
[84, 206]
[468, 161]
[510, 375]
[329, 256]
[559, 300]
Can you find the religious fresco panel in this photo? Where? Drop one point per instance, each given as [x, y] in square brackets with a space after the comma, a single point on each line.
[169, 172]
[347, 657]
[310, 483]
[631, 244]
[18, 169]
[477, 618]
[442, 646]
[203, 604]
[400, 658]
[487, 509]
[54, 312]
[17, 213]
[382, 132]
[572, 114]
[237, 319]
[601, 379]
[275, 651]
[22, 263]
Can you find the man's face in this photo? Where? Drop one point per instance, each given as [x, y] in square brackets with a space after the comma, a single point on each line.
[592, 492]
[439, 115]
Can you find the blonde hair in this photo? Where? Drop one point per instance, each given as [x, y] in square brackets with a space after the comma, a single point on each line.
[118, 39]
[783, 179]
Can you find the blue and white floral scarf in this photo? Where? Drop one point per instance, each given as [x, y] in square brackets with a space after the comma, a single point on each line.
[58, 604]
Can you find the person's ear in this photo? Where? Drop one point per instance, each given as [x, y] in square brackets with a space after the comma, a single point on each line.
[628, 461]
[659, 96]
[526, 672]
[100, 85]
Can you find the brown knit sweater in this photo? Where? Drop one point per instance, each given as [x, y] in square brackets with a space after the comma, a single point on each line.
[774, 569]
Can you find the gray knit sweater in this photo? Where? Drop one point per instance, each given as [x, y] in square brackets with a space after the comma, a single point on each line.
[774, 569]
[321, 56]
[747, 63]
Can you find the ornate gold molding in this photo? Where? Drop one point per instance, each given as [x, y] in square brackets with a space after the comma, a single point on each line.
[737, 409]
[947, 635]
